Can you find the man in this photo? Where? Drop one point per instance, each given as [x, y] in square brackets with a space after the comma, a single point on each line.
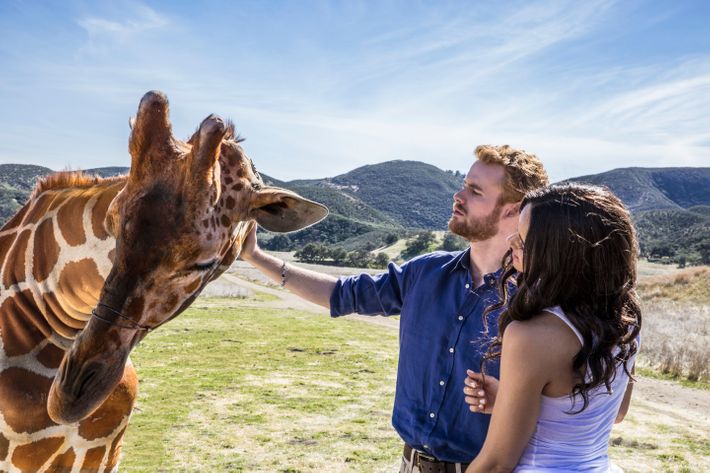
[441, 298]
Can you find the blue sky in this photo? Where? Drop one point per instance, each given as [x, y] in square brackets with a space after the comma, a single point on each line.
[319, 88]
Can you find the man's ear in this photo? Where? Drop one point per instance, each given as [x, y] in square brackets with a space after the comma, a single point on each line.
[280, 210]
[511, 209]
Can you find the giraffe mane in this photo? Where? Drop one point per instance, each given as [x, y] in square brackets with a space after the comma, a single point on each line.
[71, 179]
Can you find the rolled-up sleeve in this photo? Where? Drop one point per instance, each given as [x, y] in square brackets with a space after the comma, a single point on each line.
[364, 294]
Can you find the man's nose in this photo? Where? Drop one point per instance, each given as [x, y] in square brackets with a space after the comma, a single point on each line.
[457, 197]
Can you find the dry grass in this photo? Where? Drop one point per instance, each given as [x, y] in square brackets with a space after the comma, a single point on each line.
[675, 337]
[688, 285]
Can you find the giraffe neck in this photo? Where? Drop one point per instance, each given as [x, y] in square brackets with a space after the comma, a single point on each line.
[55, 255]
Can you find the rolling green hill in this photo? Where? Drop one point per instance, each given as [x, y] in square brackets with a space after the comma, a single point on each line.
[413, 194]
[372, 204]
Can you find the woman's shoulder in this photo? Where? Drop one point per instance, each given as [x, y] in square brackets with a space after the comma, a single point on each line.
[545, 333]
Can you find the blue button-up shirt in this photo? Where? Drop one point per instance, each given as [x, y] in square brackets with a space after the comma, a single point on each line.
[441, 334]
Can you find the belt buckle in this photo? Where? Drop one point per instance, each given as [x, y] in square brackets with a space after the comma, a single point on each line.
[426, 458]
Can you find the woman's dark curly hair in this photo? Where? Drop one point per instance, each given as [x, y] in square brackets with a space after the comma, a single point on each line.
[580, 254]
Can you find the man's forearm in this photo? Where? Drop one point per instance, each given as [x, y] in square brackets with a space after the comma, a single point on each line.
[311, 285]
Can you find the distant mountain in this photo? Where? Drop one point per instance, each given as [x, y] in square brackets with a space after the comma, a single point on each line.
[412, 193]
[16, 184]
[670, 207]
[655, 188]
[372, 204]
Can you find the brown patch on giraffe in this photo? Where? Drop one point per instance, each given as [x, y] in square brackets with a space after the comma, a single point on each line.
[19, 338]
[228, 180]
[209, 236]
[16, 220]
[71, 220]
[45, 252]
[5, 243]
[170, 303]
[63, 462]
[93, 458]
[232, 160]
[240, 172]
[4, 446]
[31, 414]
[80, 284]
[136, 306]
[111, 413]
[230, 203]
[14, 271]
[238, 186]
[114, 454]
[39, 207]
[205, 223]
[224, 220]
[192, 287]
[98, 213]
[50, 356]
[226, 171]
[31, 456]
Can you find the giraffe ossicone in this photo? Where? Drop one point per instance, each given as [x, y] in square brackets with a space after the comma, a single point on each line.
[136, 250]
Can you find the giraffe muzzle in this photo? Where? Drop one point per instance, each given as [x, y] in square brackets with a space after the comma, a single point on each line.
[81, 388]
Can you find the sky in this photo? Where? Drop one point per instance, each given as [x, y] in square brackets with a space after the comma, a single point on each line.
[319, 88]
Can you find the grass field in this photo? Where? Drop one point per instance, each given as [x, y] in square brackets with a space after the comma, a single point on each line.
[241, 383]
[248, 389]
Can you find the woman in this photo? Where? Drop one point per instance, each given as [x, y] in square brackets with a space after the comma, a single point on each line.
[568, 338]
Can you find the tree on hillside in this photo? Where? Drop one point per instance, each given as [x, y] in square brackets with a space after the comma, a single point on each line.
[313, 253]
[381, 260]
[391, 239]
[278, 243]
[418, 245]
[704, 250]
[453, 242]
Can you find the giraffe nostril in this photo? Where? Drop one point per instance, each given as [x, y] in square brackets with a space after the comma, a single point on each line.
[83, 381]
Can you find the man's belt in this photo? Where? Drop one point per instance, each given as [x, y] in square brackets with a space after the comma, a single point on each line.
[428, 464]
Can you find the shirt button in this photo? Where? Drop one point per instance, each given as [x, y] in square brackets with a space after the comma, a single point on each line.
[441, 383]
[467, 285]
[460, 317]
[451, 350]
[432, 415]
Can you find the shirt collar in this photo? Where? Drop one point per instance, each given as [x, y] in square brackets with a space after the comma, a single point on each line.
[462, 261]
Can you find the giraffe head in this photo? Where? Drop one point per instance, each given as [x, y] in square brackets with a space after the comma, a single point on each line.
[178, 222]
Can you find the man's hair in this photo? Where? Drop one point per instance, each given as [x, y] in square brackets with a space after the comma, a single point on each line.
[523, 171]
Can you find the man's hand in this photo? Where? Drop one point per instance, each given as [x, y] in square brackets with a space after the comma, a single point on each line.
[249, 246]
[480, 392]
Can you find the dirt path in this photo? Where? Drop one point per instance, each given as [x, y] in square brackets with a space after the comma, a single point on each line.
[686, 403]
[287, 300]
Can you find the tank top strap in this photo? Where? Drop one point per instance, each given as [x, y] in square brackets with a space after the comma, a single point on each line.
[557, 311]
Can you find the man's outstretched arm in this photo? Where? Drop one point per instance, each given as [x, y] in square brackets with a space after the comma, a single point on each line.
[311, 285]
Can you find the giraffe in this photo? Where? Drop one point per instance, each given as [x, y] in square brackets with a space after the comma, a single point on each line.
[89, 266]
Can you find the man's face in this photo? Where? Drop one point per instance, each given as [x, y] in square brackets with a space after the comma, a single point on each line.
[476, 210]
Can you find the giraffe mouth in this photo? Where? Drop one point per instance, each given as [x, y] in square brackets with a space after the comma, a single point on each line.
[80, 388]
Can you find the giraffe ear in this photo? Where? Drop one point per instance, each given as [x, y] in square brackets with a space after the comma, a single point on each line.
[280, 210]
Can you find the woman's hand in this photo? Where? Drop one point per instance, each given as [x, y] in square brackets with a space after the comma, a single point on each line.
[249, 245]
[480, 391]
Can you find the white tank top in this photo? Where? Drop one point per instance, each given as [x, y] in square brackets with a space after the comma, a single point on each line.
[580, 441]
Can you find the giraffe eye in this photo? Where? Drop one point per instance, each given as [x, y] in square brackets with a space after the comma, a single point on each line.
[204, 266]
